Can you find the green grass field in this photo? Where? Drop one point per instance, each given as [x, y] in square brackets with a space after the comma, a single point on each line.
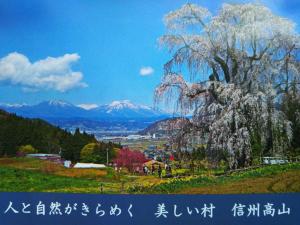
[32, 175]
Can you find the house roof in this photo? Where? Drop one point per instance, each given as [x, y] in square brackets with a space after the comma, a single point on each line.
[153, 162]
[89, 165]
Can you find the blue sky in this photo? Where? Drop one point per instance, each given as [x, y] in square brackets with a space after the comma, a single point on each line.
[108, 42]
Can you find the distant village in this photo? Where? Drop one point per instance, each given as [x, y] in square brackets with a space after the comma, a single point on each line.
[131, 137]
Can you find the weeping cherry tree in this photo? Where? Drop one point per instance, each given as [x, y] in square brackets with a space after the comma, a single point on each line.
[230, 70]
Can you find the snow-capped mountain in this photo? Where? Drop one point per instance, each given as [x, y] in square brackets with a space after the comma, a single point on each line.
[58, 103]
[127, 109]
[119, 105]
[88, 106]
[44, 110]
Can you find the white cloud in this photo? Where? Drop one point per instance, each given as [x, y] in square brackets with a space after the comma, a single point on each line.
[146, 71]
[50, 73]
[88, 106]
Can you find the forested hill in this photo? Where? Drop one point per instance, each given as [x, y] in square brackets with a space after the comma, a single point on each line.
[16, 131]
[165, 126]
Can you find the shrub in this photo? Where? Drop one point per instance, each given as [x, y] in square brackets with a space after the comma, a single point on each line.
[88, 153]
[26, 149]
[97, 153]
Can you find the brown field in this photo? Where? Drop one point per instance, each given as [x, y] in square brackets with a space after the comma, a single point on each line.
[51, 168]
[283, 182]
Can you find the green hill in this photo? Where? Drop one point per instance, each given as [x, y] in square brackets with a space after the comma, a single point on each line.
[16, 131]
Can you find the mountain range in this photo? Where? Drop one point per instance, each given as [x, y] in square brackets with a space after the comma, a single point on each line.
[61, 109]
[118, 117]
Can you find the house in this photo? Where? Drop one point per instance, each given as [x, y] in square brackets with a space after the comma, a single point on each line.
[153, 162]
[50, 157]
[274, 160]
[67, 163]
[89, 166]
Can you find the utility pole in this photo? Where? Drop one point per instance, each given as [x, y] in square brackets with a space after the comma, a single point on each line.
[107, 156]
